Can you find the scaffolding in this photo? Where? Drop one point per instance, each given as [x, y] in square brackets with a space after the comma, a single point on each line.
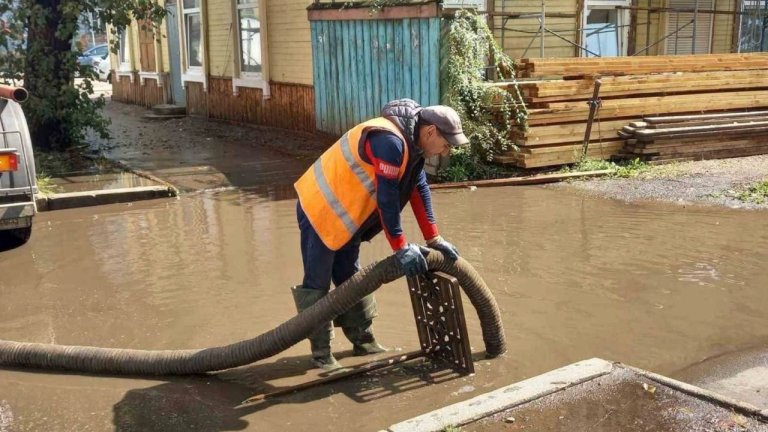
[750, 28]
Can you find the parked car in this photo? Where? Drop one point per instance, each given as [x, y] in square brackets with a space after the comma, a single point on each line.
[103, 68]
[18, 180]
[91, 54]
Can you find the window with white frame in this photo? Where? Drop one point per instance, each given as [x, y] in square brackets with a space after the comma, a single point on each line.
[605, 28]
[193, 33]
[249, 28]
[124, 50]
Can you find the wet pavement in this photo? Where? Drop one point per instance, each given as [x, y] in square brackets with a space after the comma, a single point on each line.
[197, 154]
[622, 401]
[741, 375]
[105, 181]
[655, 286]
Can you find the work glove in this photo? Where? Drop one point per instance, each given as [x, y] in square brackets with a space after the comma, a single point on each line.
[449, 250]
[411, 259]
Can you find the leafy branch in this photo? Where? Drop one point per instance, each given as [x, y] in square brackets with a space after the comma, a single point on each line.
[488, 112]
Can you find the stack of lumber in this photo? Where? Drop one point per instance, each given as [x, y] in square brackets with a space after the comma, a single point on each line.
[713, 136]
[556, 92]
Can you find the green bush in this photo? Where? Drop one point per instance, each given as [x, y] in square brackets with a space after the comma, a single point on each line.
[488, 113]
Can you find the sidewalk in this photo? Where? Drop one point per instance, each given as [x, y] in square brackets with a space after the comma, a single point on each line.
[595, 395]
[149, 159]
[196, 154]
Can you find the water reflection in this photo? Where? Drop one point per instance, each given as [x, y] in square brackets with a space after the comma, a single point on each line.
[654, 286]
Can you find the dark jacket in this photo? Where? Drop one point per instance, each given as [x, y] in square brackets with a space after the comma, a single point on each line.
[405, 114]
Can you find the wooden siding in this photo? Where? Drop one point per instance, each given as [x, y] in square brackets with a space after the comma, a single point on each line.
[519, 32]
[219, 33]
[197, 100]
[515, 41]
[289, 39]
[291, 106]
[722, 32]
[361, 65]
[146, 95]
[647, 35]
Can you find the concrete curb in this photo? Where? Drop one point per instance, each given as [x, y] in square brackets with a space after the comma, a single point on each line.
[122, 165]
[506, 397]
[108, 196]
[522, 181]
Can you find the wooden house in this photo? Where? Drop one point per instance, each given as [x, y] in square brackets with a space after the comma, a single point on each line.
[324, 65]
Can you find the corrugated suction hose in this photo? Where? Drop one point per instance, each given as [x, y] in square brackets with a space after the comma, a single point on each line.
[291, 332]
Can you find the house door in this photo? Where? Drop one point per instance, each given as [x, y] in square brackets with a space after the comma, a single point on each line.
[177, 90]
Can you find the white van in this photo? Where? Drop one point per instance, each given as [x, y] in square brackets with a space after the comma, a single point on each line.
[18, 181]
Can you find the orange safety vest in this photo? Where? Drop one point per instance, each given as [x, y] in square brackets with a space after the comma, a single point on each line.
[338, 193]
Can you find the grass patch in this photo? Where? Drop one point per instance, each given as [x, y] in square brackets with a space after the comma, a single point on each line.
[464, 166]
[452, 429]
[755, 194]
[70, 162]
[623, 169]
[45, 185]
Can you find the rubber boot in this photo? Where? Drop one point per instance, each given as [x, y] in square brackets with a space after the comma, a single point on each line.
[320, 340]
[357, 324]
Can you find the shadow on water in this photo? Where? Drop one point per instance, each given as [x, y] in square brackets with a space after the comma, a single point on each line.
[214, 402]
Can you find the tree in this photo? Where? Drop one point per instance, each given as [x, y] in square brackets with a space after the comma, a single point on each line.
[41, 53]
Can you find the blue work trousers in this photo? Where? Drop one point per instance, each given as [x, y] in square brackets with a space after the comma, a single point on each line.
[323, 265]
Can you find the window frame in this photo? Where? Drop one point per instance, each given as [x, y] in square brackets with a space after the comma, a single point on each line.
[240, 78]
[124, 49]
[192, 73]
[622, 22]
[238, 40]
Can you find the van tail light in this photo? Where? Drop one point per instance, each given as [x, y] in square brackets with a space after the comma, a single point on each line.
[9, 162]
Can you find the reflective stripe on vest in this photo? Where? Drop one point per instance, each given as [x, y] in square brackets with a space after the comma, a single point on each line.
[338, 192]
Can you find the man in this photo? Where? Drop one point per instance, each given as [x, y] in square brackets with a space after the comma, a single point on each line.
[358, 187]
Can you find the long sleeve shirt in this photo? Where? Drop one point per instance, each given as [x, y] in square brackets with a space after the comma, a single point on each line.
[385, 152]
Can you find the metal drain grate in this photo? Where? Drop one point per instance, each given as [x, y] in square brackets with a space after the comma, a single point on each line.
[436, 300]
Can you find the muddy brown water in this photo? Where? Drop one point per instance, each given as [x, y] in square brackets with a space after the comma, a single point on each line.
[657, 287]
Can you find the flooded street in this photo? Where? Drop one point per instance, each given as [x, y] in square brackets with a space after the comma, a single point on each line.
[655, 286]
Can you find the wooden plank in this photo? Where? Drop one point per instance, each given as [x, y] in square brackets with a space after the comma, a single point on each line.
[571, 147]
[700, 146]
[407, 59]
[648, 87]
[693, 139]
[566, 155]
[553, 134]
[434, 64]
[636, 107]
[674, 119]
[724, 134]
[370, 78]
[650, 134]
[720, 154]
[425, 60]
[651, 126]
[592, 65]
